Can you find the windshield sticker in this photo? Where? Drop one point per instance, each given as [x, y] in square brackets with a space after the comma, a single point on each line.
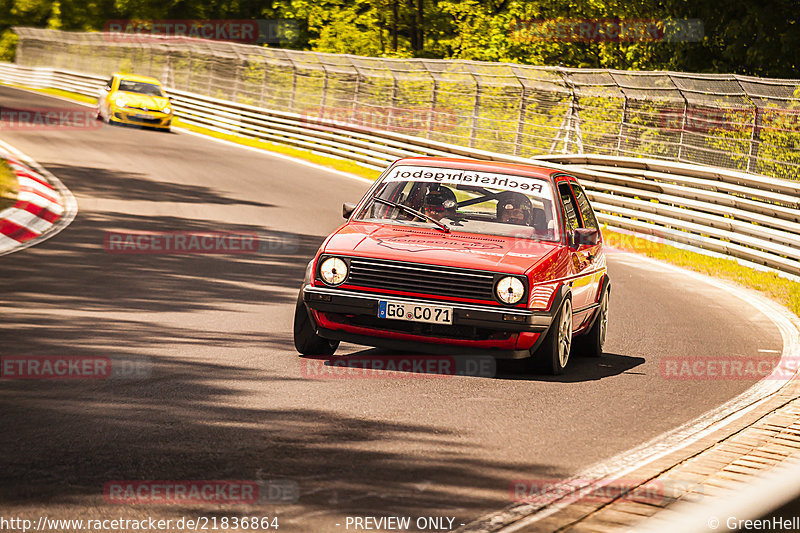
[530, 186]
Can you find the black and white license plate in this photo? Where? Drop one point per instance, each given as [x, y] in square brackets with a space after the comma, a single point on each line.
[412, 312]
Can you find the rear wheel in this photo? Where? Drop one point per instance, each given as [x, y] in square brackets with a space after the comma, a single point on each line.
[591, 344]
[306, 339]
[553, 353]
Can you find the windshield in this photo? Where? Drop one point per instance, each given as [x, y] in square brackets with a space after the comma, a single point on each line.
[469, 201]
[139, 87]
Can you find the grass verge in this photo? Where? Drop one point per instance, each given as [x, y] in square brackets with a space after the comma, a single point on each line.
[782, 290]
[9, 187]
[785, 291]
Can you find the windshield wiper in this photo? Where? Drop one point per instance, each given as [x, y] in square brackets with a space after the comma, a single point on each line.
[412, 211]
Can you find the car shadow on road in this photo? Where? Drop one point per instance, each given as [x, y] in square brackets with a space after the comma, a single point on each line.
[66, 439]
[580, 369]
[376, 361]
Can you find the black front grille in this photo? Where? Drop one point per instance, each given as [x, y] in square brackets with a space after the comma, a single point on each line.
[421, 279]
[149, 120]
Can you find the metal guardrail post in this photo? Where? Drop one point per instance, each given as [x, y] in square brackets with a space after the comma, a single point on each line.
[683, 119]
[755, 140]
[623, 120]
[523, 105]
[393, 106]
[476, 109]
[354, 105]
[294, 83]
[322, 102]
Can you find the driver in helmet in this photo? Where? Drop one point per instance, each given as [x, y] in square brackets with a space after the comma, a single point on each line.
[514, 208]
[440, 202]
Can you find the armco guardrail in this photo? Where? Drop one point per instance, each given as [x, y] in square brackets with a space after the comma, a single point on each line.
[724, 120]
[748, 217]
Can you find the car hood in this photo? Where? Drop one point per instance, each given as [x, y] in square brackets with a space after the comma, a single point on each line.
[143, 100]
[422, 245]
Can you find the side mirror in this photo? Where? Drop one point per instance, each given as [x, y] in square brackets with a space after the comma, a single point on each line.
[585, 237]
[347, 209]
[106, 88]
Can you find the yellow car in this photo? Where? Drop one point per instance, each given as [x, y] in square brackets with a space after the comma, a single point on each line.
[135, 100]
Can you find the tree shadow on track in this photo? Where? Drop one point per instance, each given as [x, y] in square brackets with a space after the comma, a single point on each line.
[84, 275]
[102, 183]
[179, 424]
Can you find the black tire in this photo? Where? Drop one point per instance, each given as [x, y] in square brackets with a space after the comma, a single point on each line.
[591, 343]
[553, 353]
[306, 339]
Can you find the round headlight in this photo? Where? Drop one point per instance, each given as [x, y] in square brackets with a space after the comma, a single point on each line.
[166, 110]
[120, 102]
[510, 290]
[333, 271]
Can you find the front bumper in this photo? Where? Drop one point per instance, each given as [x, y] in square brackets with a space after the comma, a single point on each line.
[336, 314]
[138, 117]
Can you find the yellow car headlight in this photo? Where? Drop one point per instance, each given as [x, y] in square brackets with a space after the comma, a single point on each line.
[120, 102]
[510, 290]
[333, 271]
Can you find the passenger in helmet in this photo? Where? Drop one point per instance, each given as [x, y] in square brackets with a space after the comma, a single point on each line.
[514, 208]
[440, 202]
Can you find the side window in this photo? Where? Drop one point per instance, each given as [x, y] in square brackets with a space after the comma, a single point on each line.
[589, 220]
[569, 206]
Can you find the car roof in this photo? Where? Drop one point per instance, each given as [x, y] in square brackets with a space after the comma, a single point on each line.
[134, 77]
[519, 169]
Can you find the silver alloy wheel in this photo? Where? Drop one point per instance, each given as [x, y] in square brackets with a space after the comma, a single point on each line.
[565, 334]
[603, 320]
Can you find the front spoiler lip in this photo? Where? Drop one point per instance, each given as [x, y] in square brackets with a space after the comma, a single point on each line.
[359, 303]
[421, 347]
[138, 122]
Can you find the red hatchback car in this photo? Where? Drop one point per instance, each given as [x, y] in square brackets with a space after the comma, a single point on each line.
[461, 257]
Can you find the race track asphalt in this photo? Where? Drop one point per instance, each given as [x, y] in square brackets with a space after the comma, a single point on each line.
[228, 398]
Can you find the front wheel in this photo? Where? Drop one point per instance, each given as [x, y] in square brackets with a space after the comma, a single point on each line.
[554, 351]
[591, 344]
[306, 339]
